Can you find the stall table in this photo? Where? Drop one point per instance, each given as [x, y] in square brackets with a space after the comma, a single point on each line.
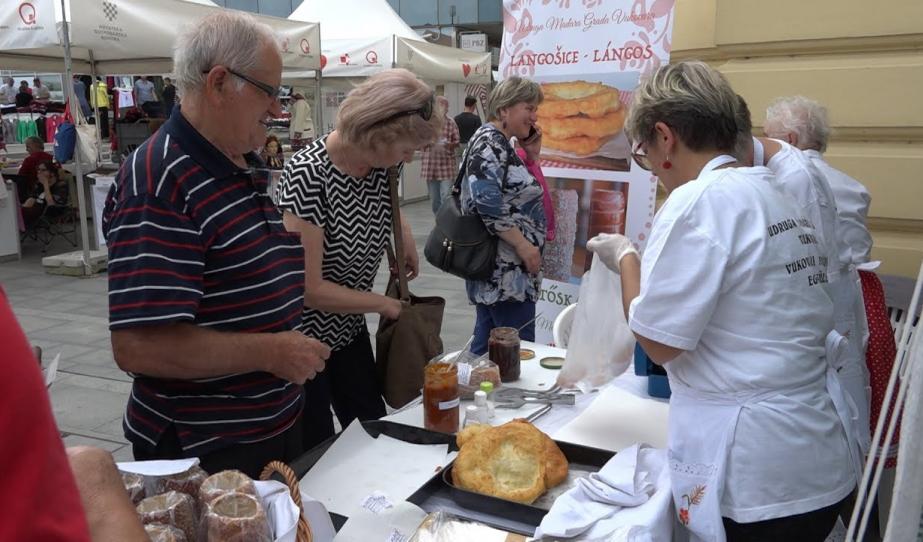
[432, 497]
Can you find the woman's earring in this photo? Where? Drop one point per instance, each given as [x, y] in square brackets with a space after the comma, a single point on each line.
[667, 164]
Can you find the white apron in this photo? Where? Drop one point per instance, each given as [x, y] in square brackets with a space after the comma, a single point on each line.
[850, 322]
[698, 466]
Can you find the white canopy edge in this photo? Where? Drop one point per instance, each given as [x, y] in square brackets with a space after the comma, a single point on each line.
[129, 37]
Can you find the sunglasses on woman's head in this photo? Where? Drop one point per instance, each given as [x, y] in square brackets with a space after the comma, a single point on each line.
[425, 111]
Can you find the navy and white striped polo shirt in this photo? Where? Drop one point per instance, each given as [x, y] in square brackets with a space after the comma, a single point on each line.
[194, 238]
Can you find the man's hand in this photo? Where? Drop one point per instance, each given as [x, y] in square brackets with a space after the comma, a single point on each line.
[297, 358]
[611, 248]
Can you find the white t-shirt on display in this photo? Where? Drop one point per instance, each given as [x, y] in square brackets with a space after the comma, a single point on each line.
[852, 209]
[732, 273]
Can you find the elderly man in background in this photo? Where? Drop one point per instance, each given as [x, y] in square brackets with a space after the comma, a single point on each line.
[802, 122]
[798, 177]
[301, 125]
[439, 165]
[206, 286]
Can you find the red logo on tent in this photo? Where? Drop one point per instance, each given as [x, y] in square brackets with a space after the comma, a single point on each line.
[466, 69]
[27, 13]
[285, 45]
[371, 57]
[344, 59]
[323, 61]
[305, 46]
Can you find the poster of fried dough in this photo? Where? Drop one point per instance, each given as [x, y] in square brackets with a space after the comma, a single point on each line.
[588, 56]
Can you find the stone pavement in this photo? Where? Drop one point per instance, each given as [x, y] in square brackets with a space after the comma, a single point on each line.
[69, 315]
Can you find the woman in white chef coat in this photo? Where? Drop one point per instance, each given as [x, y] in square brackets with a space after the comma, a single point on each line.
[728, 299]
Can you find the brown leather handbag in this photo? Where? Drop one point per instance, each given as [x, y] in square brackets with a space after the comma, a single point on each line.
[404, 346]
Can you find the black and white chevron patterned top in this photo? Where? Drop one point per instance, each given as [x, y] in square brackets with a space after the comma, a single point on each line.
[355, 215]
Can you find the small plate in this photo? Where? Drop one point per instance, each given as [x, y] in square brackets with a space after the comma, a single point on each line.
[525, 354]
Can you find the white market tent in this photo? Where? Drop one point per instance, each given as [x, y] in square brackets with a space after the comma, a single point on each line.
[124, 36]
[363, 37]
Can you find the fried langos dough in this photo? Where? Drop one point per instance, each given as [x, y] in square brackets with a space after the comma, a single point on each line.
[578, 98]
[514, 461]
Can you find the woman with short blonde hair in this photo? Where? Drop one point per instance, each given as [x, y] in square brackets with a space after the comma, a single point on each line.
[729, 299]
[334, 192]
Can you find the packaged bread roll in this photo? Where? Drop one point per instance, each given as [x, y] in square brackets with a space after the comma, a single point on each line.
[134, 485]
[235, 517]
[226, 481]
[158, 532]
[170, 508]
[187, 482]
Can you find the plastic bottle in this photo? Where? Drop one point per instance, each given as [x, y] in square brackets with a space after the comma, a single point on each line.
[486, 388]
[472, 416]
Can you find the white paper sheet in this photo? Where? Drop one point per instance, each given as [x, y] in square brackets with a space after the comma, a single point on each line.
[393, 524]
[616, 420]
[357, 465]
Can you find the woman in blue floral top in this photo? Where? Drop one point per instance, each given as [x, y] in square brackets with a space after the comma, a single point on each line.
[508, 199]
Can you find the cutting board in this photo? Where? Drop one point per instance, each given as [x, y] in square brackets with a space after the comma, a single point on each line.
[616, 420]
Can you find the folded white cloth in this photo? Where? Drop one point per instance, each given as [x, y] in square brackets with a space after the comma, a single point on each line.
[628, 499]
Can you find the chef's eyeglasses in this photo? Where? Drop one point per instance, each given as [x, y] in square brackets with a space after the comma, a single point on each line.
[639, 155]
[271, 92]
[425, 111]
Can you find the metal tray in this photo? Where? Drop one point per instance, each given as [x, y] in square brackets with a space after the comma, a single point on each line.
[407, 433]
[582, 462]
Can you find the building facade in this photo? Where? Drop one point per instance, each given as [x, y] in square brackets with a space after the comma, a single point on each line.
[865, 63]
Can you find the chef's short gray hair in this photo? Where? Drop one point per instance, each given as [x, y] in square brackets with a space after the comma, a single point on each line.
[227, 38]
[690, 97]
[803, 117]
[511, 91]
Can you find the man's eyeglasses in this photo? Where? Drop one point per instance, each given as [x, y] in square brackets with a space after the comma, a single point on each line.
[425, 111]
[639, 155]
[271, 92]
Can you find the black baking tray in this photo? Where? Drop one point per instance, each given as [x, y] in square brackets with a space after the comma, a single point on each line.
[582, 460]
[439, 493]
[407, 433]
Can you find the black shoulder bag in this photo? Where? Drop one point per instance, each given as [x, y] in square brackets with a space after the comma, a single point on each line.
[460, 244]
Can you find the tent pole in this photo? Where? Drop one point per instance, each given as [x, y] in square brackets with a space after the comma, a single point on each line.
[318, 96]
[95, 100]
[69, 88]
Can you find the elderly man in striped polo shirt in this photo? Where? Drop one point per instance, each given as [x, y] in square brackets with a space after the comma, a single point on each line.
[205, 284]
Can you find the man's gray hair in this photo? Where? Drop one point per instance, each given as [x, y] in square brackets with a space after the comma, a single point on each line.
[227, 38]
[802, 116]
[510, 92]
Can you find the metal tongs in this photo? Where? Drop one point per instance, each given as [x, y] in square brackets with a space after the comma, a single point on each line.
[508, 397]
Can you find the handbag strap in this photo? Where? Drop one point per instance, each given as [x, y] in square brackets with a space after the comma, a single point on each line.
[398, 231]
[456, 188]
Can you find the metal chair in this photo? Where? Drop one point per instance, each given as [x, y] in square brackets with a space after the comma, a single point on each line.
[56, 224]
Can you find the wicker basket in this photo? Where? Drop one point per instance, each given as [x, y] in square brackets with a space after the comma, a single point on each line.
[304, 529]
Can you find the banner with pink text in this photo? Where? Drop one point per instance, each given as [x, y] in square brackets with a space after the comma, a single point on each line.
[588, 56]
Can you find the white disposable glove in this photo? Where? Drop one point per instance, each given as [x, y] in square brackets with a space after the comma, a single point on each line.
[611, 248]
